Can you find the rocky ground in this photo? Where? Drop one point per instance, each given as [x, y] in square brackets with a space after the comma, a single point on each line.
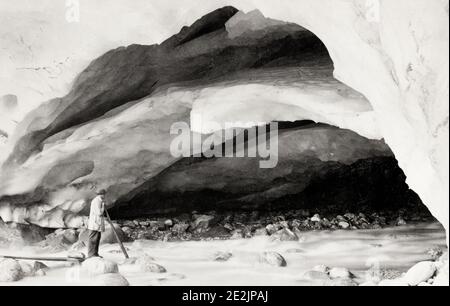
[212, 225]
[283, 225]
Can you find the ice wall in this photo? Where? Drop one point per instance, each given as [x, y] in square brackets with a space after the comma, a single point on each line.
[396, 53]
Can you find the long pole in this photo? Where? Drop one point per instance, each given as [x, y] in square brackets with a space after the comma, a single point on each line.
[43, 258]
[124, 251]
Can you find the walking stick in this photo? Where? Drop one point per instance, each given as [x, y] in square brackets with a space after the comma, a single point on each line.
[124, 251]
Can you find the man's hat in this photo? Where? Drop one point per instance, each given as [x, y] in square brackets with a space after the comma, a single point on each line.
[101, 192]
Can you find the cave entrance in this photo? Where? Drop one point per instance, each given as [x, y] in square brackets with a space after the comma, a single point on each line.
[322, 169]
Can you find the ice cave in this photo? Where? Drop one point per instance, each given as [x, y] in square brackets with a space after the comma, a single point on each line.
[359, 91]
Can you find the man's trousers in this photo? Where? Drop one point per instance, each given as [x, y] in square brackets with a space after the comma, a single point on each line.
[93, 243]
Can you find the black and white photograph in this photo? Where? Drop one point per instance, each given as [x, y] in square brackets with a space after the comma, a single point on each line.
[224, 148]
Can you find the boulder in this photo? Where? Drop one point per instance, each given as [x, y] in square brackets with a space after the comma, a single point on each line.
[344, 225]
[261, 232]
[153, 267]
[97, 266]
[38, 266]
[21, 233]
[146, 264]
[321, 268]
[421, 272]
[271, 229]
[111, 279]
[55, 243]
[350, 216]
[202, 222]
[180, 228]
[316, 218]
[272, 259]
[340, 273]
[284, 235]
[400, 222]
[237, 234]
[27, 269]
[127, 230]
[216, 231]
[341, 218]
[71, 235]
[60, 240]
[222, 256]
[10, 270]
[108, 236]
[229, 227]
[283, 224]
[33, 269]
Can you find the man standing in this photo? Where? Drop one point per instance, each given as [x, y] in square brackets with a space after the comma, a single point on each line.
[96, 223]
